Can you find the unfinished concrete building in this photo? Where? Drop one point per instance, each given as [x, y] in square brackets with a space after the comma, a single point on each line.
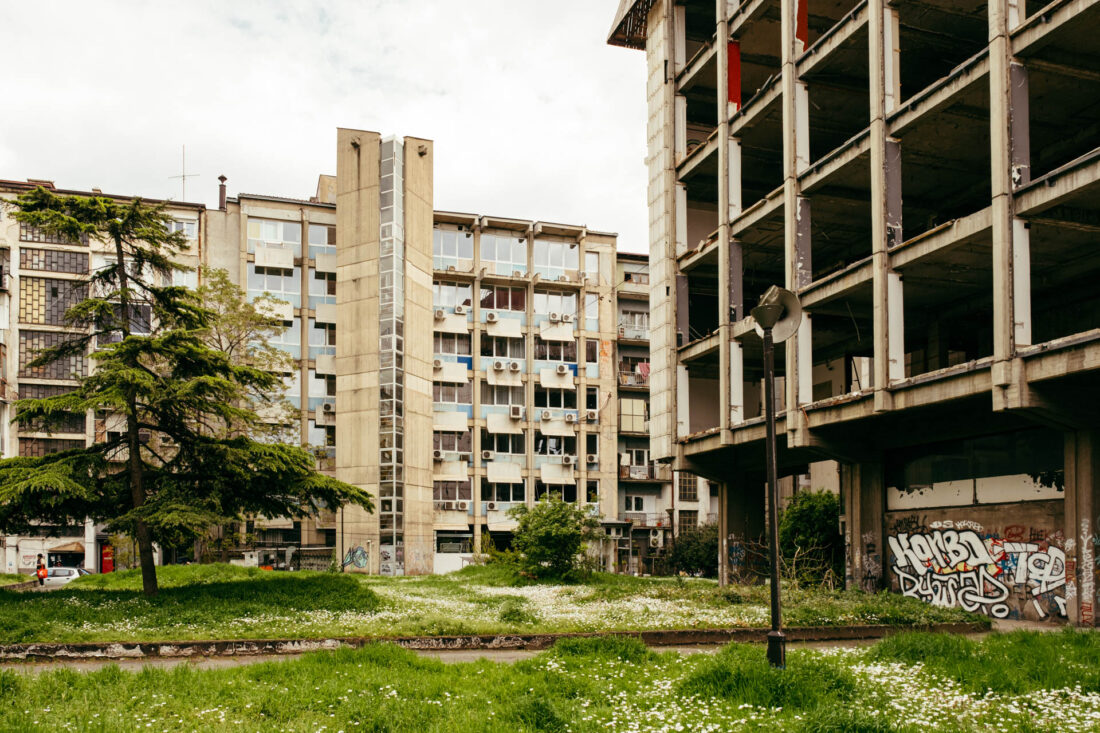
[926, 177]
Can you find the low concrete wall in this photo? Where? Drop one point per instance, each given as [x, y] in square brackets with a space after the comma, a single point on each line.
[184, 649]
[29, 585]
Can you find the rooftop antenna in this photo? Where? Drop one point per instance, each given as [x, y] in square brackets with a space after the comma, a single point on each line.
[184, 175]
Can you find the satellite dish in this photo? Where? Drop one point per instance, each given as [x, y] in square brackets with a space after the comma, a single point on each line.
[781, 308]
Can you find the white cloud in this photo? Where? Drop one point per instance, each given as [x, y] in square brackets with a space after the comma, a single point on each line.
[532, 114]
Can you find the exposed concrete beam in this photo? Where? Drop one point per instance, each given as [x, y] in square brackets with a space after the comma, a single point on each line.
[818, 174]
[1037, 31]
[745, 13]
[690, 75]
[836, 284]
[1059, 185]
[755, 107]
[1063, 69]
[833, 39]
[972, 71]
[700, 348]
[695, 158]
[765, 208]
[1071, 355]
[942, 239]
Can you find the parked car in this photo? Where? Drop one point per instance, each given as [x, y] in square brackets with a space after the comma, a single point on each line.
[60, 576]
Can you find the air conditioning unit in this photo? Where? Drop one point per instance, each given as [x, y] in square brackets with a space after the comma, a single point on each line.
[486, 455]
[593, 458]
[491, 317]
[563, 278]
[568, 460]
[439, 314]
[566, 317]
[654, 542]
[437, 364]
[491, 506]
[437, 455]
[451, 268]
[592, 415]
[517, 273]
[448, 506]
[562, 369]
[460, 310]
[546, 415]
[655, 534]
[555, 317]
[462, 506]
[516, 412]
[570, 417]
[514, 366]
[498, 366]
[328, 407]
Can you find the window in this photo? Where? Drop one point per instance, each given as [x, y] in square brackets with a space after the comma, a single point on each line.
[592, 398]
[456, 394]
[451, 491]
[504, 347]
[592, 351]
[322, 338]
[279, 234]
[689, 518]
[592, 444]
[322, 240]
[591, 306]
[321, 436]
[453, 542]
[190, 229]
[282, 284]
[635, 503]
[633, 415]
[28, 233]
[452, 442]
[689, 486]
[565, 492]
[320, 388]
[554, 258]
[555, 445]
[635, 320]
[448, 295]
[496, 394]
[636, 456]
[452, 343]
[449, 246]
[502, 492]
[510, 443]
[502, 298]
[555, 350]
[638, 278]
[504, 254]
[592, 492]
[551, 301]
[322, 287]
[592, 265]
[565, 399]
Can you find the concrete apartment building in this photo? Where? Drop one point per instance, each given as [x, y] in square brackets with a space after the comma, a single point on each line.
[926, 177]
[42, 276]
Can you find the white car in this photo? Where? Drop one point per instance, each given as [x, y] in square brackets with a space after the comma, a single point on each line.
[60, 576]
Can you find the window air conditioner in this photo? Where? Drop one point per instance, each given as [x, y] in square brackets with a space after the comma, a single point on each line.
[328, 407]
[592, 415]
[490, 317]
[460, 310]
[514, 366]
[517, 273]
[546, 415]
[654, 542]
[498, 366]
[655, 534]
[563, 278]
[555, 317]
[516, 412]
[437, 455]
[437, 364]
[568, 460]
[570, 417]
[486, 455]
[448, 506]
[439, 314]
[451, 268]
[491, 506]
[562, 369]
[462, 506]
[566, 317]
[593, 458]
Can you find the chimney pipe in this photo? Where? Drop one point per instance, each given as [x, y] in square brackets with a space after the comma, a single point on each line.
[221, 192]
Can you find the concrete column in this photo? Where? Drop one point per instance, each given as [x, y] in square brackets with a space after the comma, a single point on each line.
[1082, 504]
[723, 113]
[889, 350]
[477, 473]
[723, 535]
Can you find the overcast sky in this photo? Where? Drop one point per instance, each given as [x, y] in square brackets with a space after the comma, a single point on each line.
[532, 114]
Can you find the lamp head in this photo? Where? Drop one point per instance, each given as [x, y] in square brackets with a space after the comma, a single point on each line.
[780, 311]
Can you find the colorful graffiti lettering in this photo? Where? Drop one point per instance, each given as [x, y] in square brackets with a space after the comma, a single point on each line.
[949, 567]
[356, 556]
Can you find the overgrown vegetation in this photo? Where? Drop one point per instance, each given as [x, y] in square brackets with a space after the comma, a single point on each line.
[229, 602]
[809, 538]
[695, 551]
[550, 539]
[582, 685]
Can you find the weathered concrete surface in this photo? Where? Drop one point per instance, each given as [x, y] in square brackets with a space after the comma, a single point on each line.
[533, 642]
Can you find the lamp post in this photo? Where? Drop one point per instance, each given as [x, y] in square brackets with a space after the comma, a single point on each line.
[777, 318]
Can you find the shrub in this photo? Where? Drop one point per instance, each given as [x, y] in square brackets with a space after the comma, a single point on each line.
[695, 551]
[809, 537]
[551, 537]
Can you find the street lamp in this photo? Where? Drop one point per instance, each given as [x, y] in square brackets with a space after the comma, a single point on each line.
[777, 319]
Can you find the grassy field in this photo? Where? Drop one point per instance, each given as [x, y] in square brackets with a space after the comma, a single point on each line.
[227, 602]
[916, 682]
[12, 578]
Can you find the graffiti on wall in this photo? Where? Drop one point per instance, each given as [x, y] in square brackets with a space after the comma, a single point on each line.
[356, 556]
[951, 564]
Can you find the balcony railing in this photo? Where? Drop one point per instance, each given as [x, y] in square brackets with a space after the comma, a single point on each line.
[628, 378]
[647, 472]
[630, 331]
[642, 519]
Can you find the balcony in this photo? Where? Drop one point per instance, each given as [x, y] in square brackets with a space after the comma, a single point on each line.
[638, 378]
[647, 472]
[642, 519]
[631, 332]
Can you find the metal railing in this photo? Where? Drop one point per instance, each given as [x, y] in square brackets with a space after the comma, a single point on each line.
[646, 472]
[643, 519]
[633, 379]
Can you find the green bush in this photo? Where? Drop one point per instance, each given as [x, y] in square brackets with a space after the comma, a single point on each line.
[551, 537]
[809, 537]
[695, 552]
